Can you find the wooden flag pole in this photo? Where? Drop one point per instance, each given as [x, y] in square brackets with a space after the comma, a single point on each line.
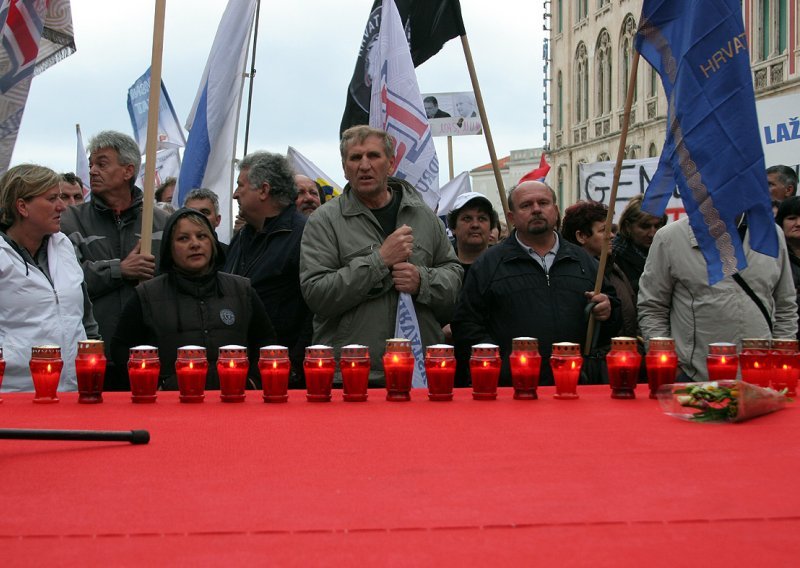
[612, 198]
[152, 129]
[485, 122]
[450, 156]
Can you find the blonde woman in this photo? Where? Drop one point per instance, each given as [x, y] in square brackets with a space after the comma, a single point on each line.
[44, 299]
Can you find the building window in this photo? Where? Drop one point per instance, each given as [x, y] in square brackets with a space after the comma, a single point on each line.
[560, 185]
[652, 87]
[581, 83]
[582, 9]
[653, 151]
[601, 3]
[603, 63]
[559, 102]
[559, 15]
[771, 27]
[626, 55]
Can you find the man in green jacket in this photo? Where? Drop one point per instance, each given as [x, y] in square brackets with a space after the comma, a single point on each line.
[361, 250]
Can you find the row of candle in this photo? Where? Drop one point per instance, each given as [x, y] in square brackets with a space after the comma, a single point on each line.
[763, 362]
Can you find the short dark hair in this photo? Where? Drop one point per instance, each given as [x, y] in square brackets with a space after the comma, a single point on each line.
[581, 216]
[786, 175]
[789, 206]
[170, 181]
[72, 179]
[430, 99]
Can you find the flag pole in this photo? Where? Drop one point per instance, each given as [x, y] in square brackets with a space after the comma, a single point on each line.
[612, 198]
[152, 128]
[252, 76]
[450, 156]
[485, 122]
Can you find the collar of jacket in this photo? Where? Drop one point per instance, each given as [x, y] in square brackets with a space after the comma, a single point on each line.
[512, 250]
[285, 221]
[137, 198]
[352, 205]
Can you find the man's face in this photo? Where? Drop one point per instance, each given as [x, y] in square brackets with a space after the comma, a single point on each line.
[206, 207]
[71, 193]
[106, 174]
[166, 196]
[308, 198]
[778, 191]
[643, 231]
[249, 198]
[535, 213]
[430, 109]
[367, 167]
[472, 229]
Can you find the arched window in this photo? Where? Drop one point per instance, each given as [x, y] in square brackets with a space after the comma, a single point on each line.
[603, 65]
[603, 157]
[581, 84]
[559, 102]
[652, 152]
[626, 55]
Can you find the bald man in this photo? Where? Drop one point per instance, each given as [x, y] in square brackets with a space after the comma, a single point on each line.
[309, 194]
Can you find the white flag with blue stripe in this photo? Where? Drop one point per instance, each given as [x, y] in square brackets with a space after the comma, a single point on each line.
[213, 121]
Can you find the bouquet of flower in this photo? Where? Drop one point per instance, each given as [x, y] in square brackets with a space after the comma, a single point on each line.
[719, 401]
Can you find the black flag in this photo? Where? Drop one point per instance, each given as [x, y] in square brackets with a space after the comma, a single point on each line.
[429, 25]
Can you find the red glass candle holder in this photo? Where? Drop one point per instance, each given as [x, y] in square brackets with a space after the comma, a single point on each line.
[661, 362]
[484, 369]
[232, 368]
[319, 367]
[785, 365]
[90, 367]
[46, 365]
[355, 364]
[440, 367]
[756, 361]
[2, 369]
[722, 362]
[525, 363]
[623, 367]
[566, 362]
[274, 366]
[144, 369]
[398, 368]
[191, 366]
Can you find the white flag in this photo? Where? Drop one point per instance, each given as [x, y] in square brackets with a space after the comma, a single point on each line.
[168, 164]
[302, 165]
[170, 133]
[82, 164]
[213, 121]
[396, 107]
[455, 187]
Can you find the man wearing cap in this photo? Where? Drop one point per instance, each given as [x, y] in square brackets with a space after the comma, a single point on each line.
[470, 221]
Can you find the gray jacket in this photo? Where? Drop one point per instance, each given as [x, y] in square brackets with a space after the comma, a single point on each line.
[350, 289]
[676, 301]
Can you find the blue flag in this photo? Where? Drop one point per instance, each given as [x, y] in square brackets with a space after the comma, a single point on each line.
[713, 150]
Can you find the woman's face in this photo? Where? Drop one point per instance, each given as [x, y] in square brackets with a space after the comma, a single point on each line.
[42, 213]
[643, 231]
[791, 227]
[191, 246]
[594, 243]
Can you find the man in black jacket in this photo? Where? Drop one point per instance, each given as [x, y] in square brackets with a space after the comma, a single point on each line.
[534, 284]
[267, 249]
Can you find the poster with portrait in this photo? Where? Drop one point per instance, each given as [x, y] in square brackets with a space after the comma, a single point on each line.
[452, 114]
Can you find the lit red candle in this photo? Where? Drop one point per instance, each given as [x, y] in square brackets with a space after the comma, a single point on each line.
[355, 363]
[484, 370]
[46, 365]
[232, 368]
[398, 368]
[2, 369]
[785, 365]
[440, 368]
[661, 362]
[525, 363]
[90, 367]
[319, 367]
[623, 363]
[722, 362]
[274, 366]
[566, 362]
[144, 368]
[756, 361]
[191, 366]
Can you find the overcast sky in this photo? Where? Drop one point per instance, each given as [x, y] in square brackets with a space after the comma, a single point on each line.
[305, 57]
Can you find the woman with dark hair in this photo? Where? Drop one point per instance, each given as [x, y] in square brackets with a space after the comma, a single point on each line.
[193, 303]
[44, 299]
[788, 219]
[636, 231]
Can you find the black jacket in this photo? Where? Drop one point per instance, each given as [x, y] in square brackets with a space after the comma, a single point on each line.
[507, 294]
[270, 258]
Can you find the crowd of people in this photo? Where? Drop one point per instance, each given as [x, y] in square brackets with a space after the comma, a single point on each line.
[302, 269]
